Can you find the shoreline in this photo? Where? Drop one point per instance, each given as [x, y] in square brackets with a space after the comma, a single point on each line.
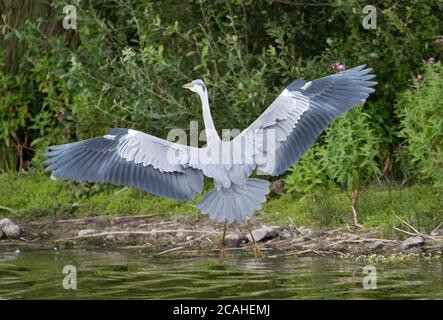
[164, 235]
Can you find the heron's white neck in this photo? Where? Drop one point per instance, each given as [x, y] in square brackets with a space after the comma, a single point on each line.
[211, 133]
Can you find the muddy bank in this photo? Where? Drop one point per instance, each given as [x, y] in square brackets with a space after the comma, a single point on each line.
[186, 234]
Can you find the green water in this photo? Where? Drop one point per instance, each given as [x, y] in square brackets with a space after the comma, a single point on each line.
[33, 274]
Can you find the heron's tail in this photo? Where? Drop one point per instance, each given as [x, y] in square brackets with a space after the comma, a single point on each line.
[237, 202]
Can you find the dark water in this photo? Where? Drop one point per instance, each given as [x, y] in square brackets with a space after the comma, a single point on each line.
[138, 275]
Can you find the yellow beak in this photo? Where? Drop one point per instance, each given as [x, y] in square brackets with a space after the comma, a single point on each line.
[187, 85]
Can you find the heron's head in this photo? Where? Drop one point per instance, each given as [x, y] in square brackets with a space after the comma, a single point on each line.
[196, 86]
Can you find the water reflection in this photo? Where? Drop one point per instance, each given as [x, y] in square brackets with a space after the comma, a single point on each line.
[138, 275]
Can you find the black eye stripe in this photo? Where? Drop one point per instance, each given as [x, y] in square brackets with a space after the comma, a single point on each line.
[200, 83]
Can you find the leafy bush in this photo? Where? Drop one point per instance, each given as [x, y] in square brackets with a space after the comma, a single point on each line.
[33, 87]
[348, 157]
[307, 174]
[420, 110]
[125, 63]
[351, 149]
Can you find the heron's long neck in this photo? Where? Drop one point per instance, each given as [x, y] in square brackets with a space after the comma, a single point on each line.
[211, 133]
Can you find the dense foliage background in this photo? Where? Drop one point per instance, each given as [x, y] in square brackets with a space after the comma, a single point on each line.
[126, 61]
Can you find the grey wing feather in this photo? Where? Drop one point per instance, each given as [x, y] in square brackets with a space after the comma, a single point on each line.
[126, 157]
[300, 114]
[329, 97]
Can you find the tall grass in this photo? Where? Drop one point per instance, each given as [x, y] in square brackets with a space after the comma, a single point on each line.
[378, 206]
[8, 159]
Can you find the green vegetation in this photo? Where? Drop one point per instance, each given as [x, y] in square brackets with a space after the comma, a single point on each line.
[125, 63]
[348, 158]
[33, 194]
[420, 110]
[377, 207]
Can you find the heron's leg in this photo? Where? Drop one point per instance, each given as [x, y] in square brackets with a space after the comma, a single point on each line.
[256, 246]
[223, 253]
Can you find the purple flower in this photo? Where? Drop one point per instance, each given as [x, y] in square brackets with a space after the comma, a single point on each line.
[431, 60]
[338, 66]
[420, 77]
[439, 40]
[62, 112]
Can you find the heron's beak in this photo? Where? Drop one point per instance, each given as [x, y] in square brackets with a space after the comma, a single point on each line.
[188, 85]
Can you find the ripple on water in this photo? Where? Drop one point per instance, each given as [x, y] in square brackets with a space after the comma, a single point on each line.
[137, 275]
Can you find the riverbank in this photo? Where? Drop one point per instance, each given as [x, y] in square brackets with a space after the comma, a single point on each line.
[32, 195]
[67, 214]
[185, 234]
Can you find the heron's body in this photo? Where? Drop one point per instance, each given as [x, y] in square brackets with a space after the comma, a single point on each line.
[270, 145]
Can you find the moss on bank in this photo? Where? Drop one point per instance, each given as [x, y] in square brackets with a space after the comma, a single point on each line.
[34, 194]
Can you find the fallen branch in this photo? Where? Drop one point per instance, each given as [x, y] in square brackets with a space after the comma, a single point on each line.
[321, 253]
[87, 219]
[384, 240]
[168, 251]
[407, 224]
[404, 231]
[335, 230]
[9, 209]
[156, 223]
[31, 233]
[293, 224]
[417, 233]
[101, 234]
[368, 240]
[342, 241]
[436, 228]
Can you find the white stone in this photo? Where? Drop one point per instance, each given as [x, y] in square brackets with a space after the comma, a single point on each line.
[233, 239]
[377, 245]
[12, 231]
[412, 242]
[4, 222]
[265, 233]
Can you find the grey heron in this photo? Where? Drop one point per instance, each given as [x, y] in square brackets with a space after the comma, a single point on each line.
[270, 145]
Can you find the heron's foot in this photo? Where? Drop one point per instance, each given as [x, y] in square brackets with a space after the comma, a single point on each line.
[258, 254]
[223, 254]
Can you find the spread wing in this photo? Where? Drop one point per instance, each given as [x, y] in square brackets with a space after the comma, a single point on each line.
[129, 157]
[292, 123]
